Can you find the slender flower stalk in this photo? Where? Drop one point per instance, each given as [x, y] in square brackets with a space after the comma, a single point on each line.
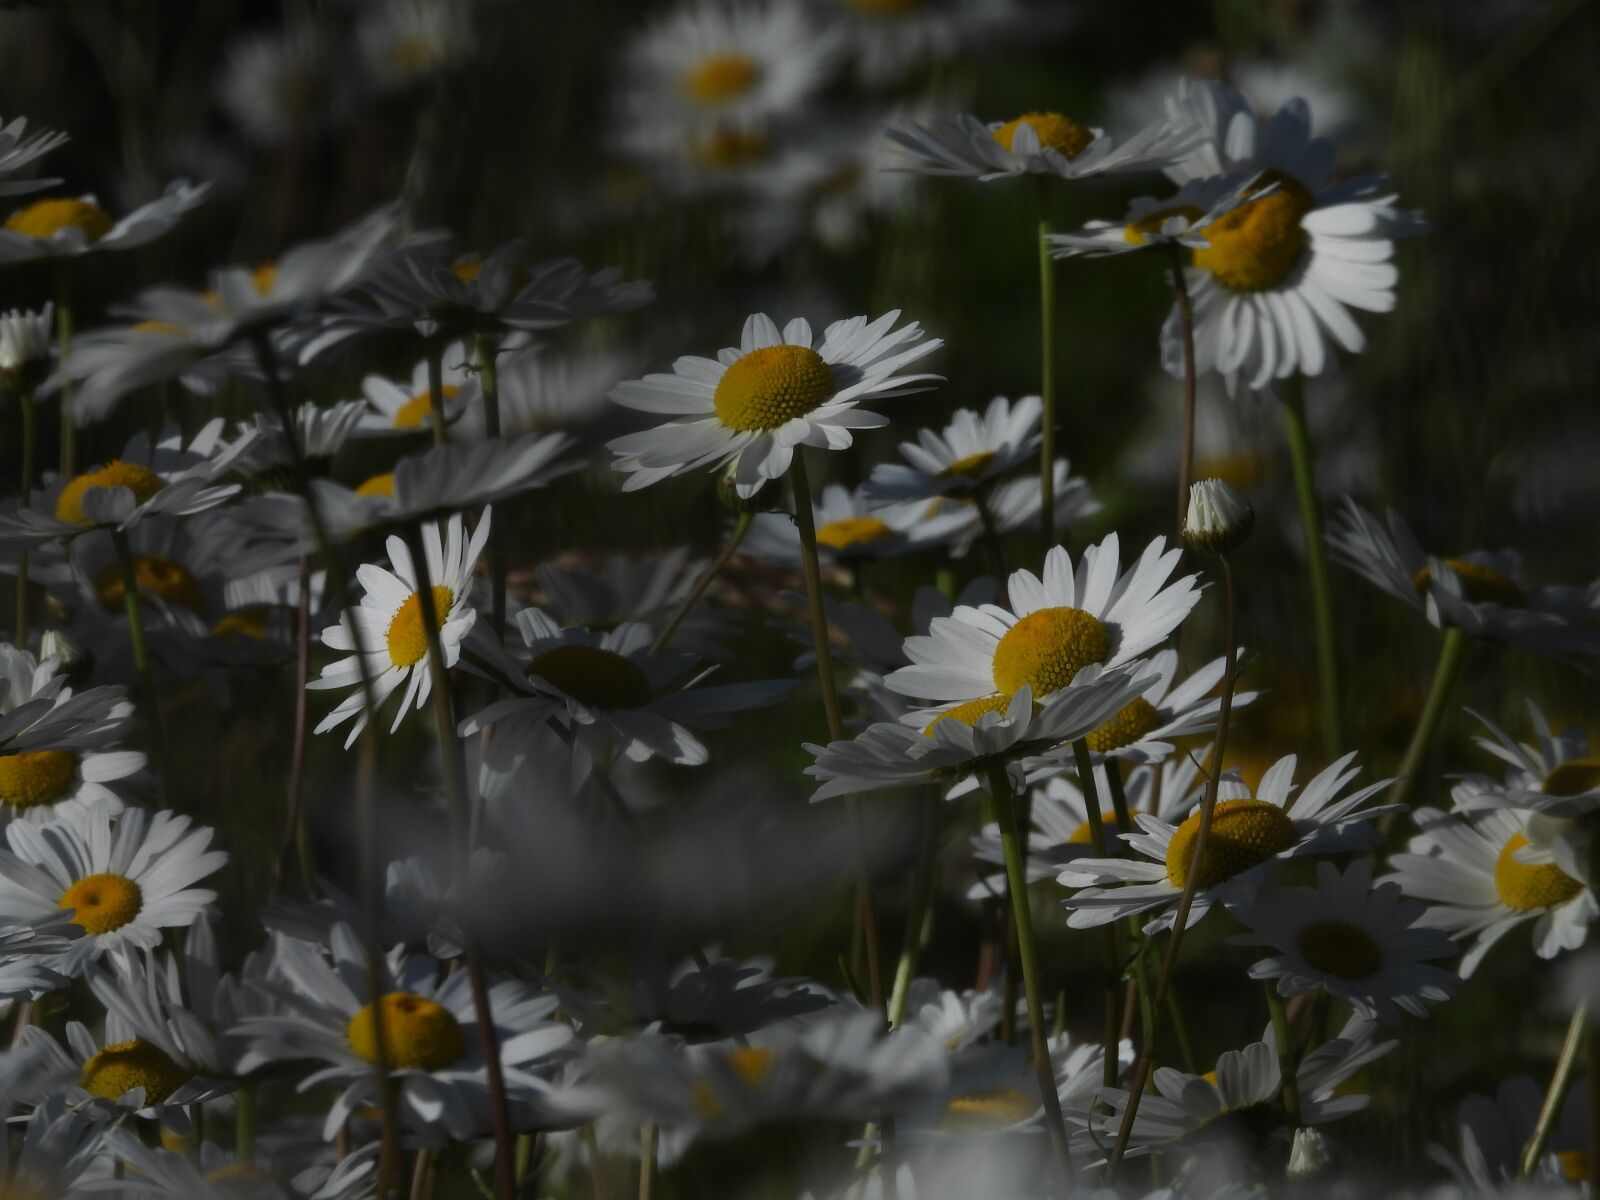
[1017, 879]
[740, 528]
[1294, 417]
[1110, 961]
[806, 522]
[991, 543]
[1047, 375]
[25, 491]
[456, 791]
[141, 657]
[434, 352]
[647, 1161]
[294, 825]
[488, 351]
[244, 1125]
[1556, 1093]
[1283, 1041]
[922, 876]
[1180, 291]
[1451, 653]
[69, 429]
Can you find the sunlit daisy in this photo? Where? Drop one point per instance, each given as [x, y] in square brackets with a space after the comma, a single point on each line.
[1177, 220]
[754, 404]
[389, 620]
[1273, 285]
[64, 227]
[1483, 878]
[18, 150]
[1480, 593]
[966, 456]
[1054, 628]
[1360, 943]
[128, 879]
[433, 1038]
[1249, 836]
[396, 408]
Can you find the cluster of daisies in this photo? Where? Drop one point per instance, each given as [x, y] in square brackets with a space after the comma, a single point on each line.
[497, 963]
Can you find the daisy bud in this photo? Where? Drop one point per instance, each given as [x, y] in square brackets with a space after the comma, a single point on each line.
[24, 345]
[1311, 1155]
[74, 658]
[1219, 518]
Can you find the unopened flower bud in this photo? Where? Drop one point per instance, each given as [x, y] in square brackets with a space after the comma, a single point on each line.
[1311, 1155]
[1219, 518]
[75, 661]
[24, 346]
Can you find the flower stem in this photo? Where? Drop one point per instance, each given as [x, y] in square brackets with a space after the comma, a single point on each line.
[1191, 883]
[647, 1161]
[293, 814]
[916, 915]
[456, 791]
[1451, 653]
[1556, 1093]
[1288, 1068]
[141, 656]
[69, 428]
[1110, 961]
[1294, 418]
[244, 1125]
[25, 492]
[740, 528]
[1185, 305]
[488, 350]
[805, 520]
[1017, 878]
[433, 350]
[1047, 377]
[991, 545]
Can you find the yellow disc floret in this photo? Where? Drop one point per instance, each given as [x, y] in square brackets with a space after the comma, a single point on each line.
[1133, 720]
[1258, 244]
[590, 675]
[751, 1064]
[726, 147]
[1137, 233]
[153, 575]
[850, 532]
[1574, 1165]
[244, 624]
[378, 485]
[408, 640]
[970, 467]
[141, 481]
[123, 1066]
[35, 777]
[1047, 648]
[419, 1034]
[1244, 833]
[1083, 835]
[988, 1109]
[1055, 132]
[1479, 584]
[45, 218]
[721, 78]
[968, 711]
[1529, 886]
[770, 386]
[1340, 949]
[1572, 778]
[102, 903]
[415, 411]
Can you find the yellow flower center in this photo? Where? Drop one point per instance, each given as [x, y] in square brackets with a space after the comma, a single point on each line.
[970, 467]
[467, 269]
[378, 485]
[45, 218]
[852, 531]
[1527, 886]
[1479, 584]
[1135, 719]
[1573, 778]
[265, 278]
[418, 1033]
[987, 1109]
[1243, 834]
[244, 625]
[1047, 648]
[751, 1064]
[408, 640]
[123, 1066]
[155, 574]
[35, 777]
[771, 386]
[103, 902]
[720, 78]
[141, 481]
[590, 675]
[1083, 835]
[1137, 233]
[968, 712]
[1574, 1165]
[419, 409]
[727, 147]
[1340, 948]
[1256, 245]
[1055, 132]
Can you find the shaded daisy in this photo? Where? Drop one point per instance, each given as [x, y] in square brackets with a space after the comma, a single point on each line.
[26, 955]
[38, 710]
[389, 620]
[1249, 836]
[754, 404]
[402, 408]
[972, 451]
[547, 389]
[647, 589]
[1495, 1130]
[1555, 774]
[404, 42]
[1480, 593]
[1483, 878]
[1177, 220]
[320, 433]
[890, 39]
[1015, 506]
[128, 879]
[64, 227]
[1357, 942]
[851, 528]
[18, 150]
[60, 1147]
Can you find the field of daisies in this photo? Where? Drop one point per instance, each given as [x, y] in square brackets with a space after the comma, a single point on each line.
[828, 599]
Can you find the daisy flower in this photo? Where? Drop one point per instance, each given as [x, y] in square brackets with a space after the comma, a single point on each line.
[1177, 220]
[18, 150]
[851, 528]
[320, 432]
[59, 1146]
[612, 692]
[404, 42]
[1483, 878]
[777, 390]
[972, 451]
[548, 390]
[1553, 775]
[647, 589]
[725, 999]
[39, 711]
[1054, 628]
[62, 227]
[1014, 505]
[890, 39]
[396, 408]
[1359, 943]
[1273, 286]
[1480, 593]
[26, 955]
[1249, 836]
[433, 1038]
[1496, 1129]
[128, 878]
[389, 620]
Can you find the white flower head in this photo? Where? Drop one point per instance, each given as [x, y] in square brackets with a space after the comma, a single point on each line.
[1219, 519]
[1157, 222]
[972, 451]
[1038, 143]
[64, 227]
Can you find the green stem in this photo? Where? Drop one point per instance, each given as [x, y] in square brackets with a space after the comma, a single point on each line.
[1294, 417]
[805, 520]
[294, 824]
[1180, 1027]
[25, 492]
[647, 1162]
[141, 656]
[1288, 1067]
[1180, 291]
[1110, 962]
[1017, 877]
[916, 913]
[488, 350]
[991, 544]
[1451, 652]
[69, 430]
[1556, 1093]
[1047, 379]
[244, 1125]
[434, 352]
[740, 528]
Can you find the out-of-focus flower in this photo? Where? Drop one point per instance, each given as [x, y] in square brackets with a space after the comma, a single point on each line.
[1039, 143]
[404, 42]
[18, 150]
[1177, 220]
[64, 227]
